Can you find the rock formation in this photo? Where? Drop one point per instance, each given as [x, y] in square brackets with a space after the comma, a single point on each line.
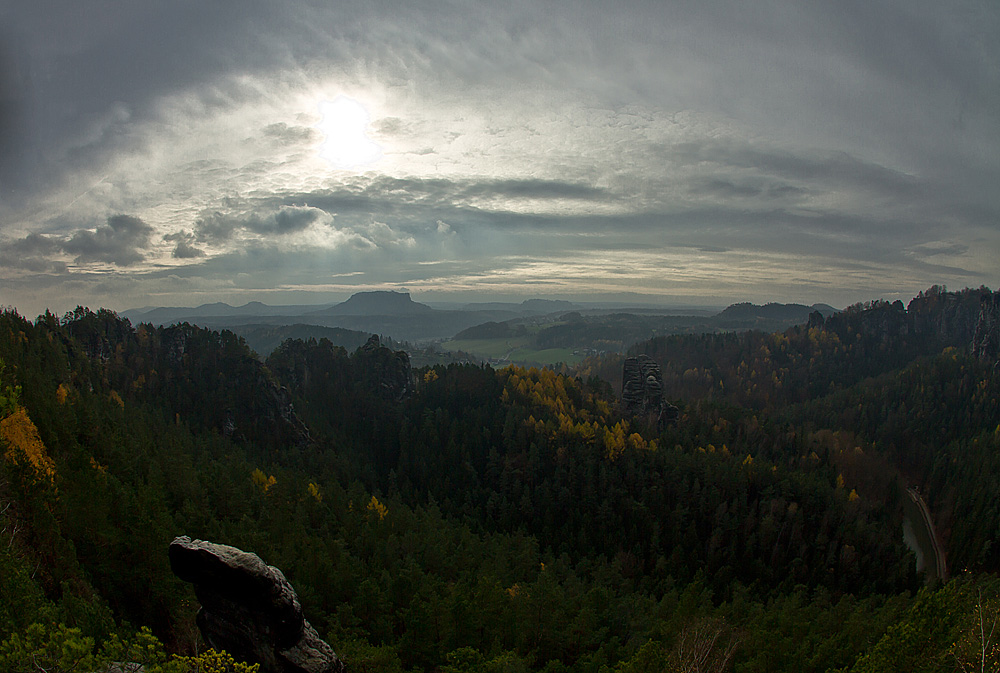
[642, 391]
[385, 371]
[950, 317]
[250, 610]
[986, 338]
[636, 373]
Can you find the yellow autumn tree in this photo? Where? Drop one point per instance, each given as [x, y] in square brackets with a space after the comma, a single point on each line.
[378, 508]
[9, 394]
[314, 492]
[23, 443]
[212, 661]
[614, 440]
[262, 481]
[636, 442]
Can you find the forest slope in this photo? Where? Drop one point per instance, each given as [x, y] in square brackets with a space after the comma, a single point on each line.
[511, 518]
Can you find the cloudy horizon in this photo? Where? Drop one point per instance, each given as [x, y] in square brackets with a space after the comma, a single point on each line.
[298, 151]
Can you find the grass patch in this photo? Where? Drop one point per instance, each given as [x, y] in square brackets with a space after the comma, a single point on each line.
[487, 348]
[517, 350]
[548, 356]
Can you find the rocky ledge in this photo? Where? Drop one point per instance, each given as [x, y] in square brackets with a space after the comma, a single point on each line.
[250, 610]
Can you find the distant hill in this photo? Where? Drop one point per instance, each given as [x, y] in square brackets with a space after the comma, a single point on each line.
[492, 330]
[773, 311]
[525, 307]
[548, 305]
[601, 331]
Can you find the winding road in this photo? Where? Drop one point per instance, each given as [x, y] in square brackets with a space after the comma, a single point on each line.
[942, 568]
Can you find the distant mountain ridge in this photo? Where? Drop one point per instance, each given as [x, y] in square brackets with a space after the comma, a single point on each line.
[389, 313]
[162, 315]
[397, 316]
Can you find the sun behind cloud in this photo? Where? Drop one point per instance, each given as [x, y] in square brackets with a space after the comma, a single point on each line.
[345, 127]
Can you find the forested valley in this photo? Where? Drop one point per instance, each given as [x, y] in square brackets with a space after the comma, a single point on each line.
[464, 518]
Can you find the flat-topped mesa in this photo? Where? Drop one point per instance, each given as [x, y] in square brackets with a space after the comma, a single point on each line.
[249, 609]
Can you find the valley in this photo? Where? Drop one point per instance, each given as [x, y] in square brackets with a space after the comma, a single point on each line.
[465, 516]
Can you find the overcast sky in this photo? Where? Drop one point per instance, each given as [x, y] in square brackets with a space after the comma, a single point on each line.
[297, 151]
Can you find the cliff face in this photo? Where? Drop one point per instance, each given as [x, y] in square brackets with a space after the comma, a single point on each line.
[986, 338]
[249, 609]
[949, 317]
[933, 320]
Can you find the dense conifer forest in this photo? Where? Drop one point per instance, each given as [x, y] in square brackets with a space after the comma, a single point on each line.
[464, 518]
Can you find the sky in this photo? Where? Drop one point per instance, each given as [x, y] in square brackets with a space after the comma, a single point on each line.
[298, 151]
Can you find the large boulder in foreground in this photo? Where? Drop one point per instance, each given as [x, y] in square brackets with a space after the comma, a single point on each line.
[249, 609]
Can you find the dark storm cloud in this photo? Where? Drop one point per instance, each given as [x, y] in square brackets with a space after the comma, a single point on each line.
[533, 189]
[218, 227]
[32, 253]
[13, 107]
[728, 190]
[286, 221]
[121, 242]
[87, 59]
[184, 250]
[32, 245]
[183, 245]
[388, 194]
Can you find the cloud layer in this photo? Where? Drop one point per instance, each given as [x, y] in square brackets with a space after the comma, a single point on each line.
[170, 153]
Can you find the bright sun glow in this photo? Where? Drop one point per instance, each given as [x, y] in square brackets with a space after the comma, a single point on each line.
[345, 125]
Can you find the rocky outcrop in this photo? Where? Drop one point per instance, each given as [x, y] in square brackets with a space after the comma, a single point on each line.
[385, 371]
[249, 609]
[642, 391]
[949, 317]
[986, 338]
[642, 384]
[881, 321]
